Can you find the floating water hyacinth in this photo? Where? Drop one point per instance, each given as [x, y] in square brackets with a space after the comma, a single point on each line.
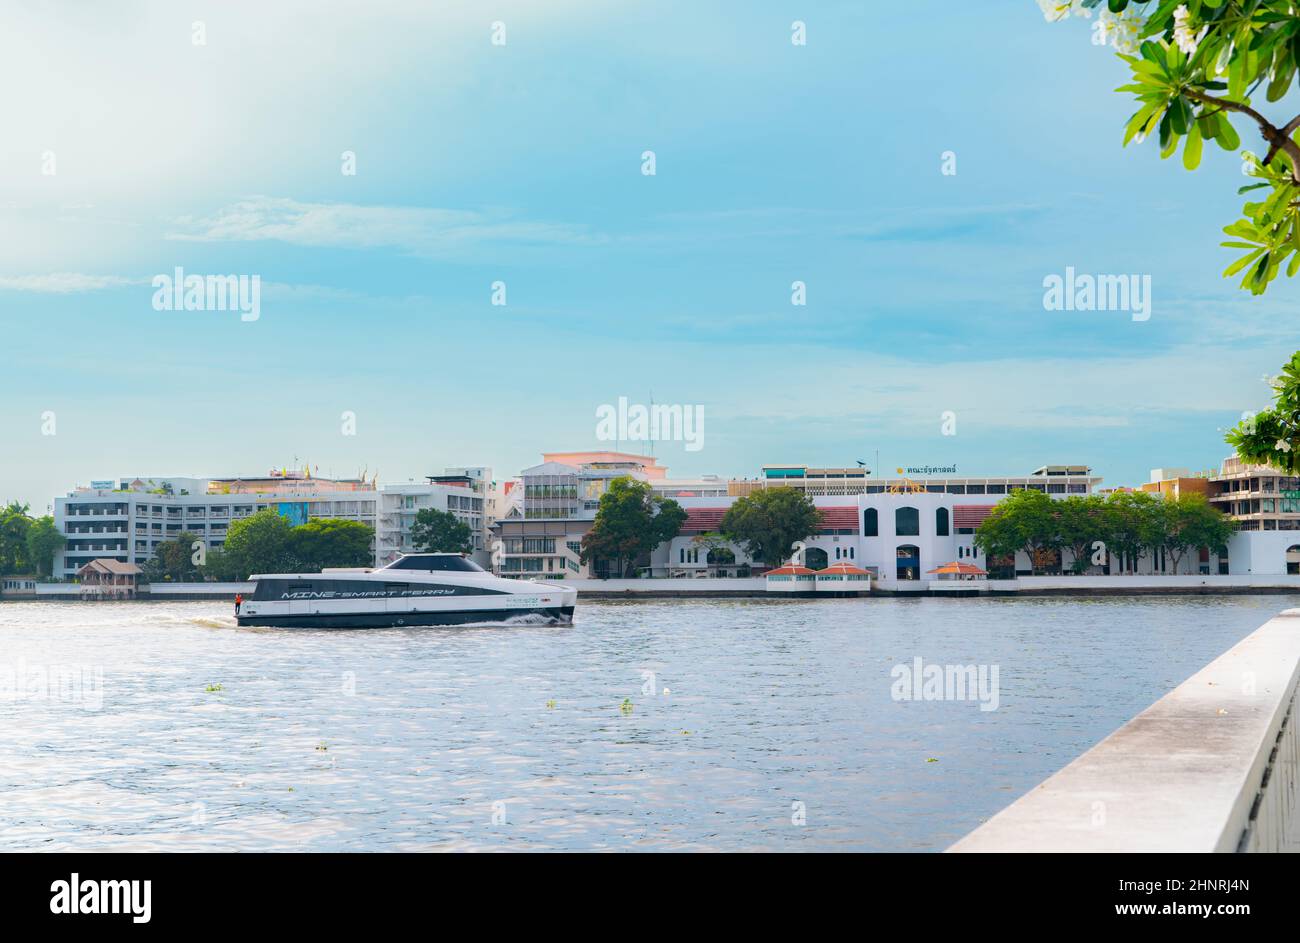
[550, 705]
[212, 688]
[626, 706]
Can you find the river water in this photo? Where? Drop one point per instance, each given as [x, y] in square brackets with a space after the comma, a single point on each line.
[162, 726]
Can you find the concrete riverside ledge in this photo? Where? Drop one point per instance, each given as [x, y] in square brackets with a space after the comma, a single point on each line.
[1212, 766]
[652, 588]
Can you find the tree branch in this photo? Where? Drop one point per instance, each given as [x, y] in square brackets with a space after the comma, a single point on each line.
[1279, 139]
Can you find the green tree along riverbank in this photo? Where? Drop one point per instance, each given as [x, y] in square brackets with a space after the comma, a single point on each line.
[27, 544]
[631, 521]
[266, 542]
[1127, 525]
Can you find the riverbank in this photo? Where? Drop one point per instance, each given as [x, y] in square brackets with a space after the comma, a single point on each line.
[757, 588]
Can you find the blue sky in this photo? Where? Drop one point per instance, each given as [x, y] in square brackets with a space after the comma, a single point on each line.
[522, 163]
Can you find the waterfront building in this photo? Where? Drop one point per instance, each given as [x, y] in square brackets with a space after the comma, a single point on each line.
[1257, 497]
[108, 579]
[126, 519]
[1052, 479]
[1264, 503]
[893, 527]
[18, 586]
[1177, 482]
[469, 493]
[551, 509]
[546, 514]
[896, 528]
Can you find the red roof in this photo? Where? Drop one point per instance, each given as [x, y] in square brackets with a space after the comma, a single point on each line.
[843, 569]
[962, 569]
[702, 520]
[839, 518]
[789, 570]
[970, 515]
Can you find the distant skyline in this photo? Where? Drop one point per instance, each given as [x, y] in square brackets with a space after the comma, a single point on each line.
[521, 164]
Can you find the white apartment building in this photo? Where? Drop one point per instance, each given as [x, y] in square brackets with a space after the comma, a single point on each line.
[126, 519]
[467, 492]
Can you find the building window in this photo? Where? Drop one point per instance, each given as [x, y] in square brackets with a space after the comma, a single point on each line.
[907, 522]
[941, 522]
[870, 523]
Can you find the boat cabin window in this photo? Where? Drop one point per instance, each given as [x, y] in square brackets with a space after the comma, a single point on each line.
[417, 561]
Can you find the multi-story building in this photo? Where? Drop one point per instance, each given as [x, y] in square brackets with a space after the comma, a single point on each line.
[468, 493]
[1177, 482]
[1264, 502]
[541, 535]
[897, 528]
[1257, 497]
[814, 482]
[126, 519]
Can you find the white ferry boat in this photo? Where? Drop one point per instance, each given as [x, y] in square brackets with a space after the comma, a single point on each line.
[416, 589]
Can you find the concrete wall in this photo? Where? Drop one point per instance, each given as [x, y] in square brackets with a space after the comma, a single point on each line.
[1149, 581]
[193, 589]
[678, 587]
[1211, 766]
[156, 590]
[1261, 551]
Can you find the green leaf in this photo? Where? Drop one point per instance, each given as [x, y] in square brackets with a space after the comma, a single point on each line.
[1242, 262]
[1227, 136]
[1192, 151]
[1180, 115]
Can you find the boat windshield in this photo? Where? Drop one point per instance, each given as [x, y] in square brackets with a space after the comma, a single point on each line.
[434, 561]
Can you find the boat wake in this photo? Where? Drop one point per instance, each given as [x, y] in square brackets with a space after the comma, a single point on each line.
[227, 623]
[523, 619]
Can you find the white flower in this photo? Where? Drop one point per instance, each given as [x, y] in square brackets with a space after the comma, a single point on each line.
[1282, 445]
[1056, 10]
[1122, 30]
[1184, 38]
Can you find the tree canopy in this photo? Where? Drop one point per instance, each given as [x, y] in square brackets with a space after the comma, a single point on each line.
[175, 560]
[266, 542]
[437, 531]
[1272, 436]
[1127, 525]
[27, 544]
[631, 520]
[768, 522]
[1196, 66]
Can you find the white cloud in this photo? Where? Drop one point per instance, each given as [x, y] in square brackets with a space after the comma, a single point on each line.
[66, 282]
[418, 230]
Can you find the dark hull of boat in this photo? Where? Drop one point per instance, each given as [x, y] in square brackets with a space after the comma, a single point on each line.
[549, 615]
